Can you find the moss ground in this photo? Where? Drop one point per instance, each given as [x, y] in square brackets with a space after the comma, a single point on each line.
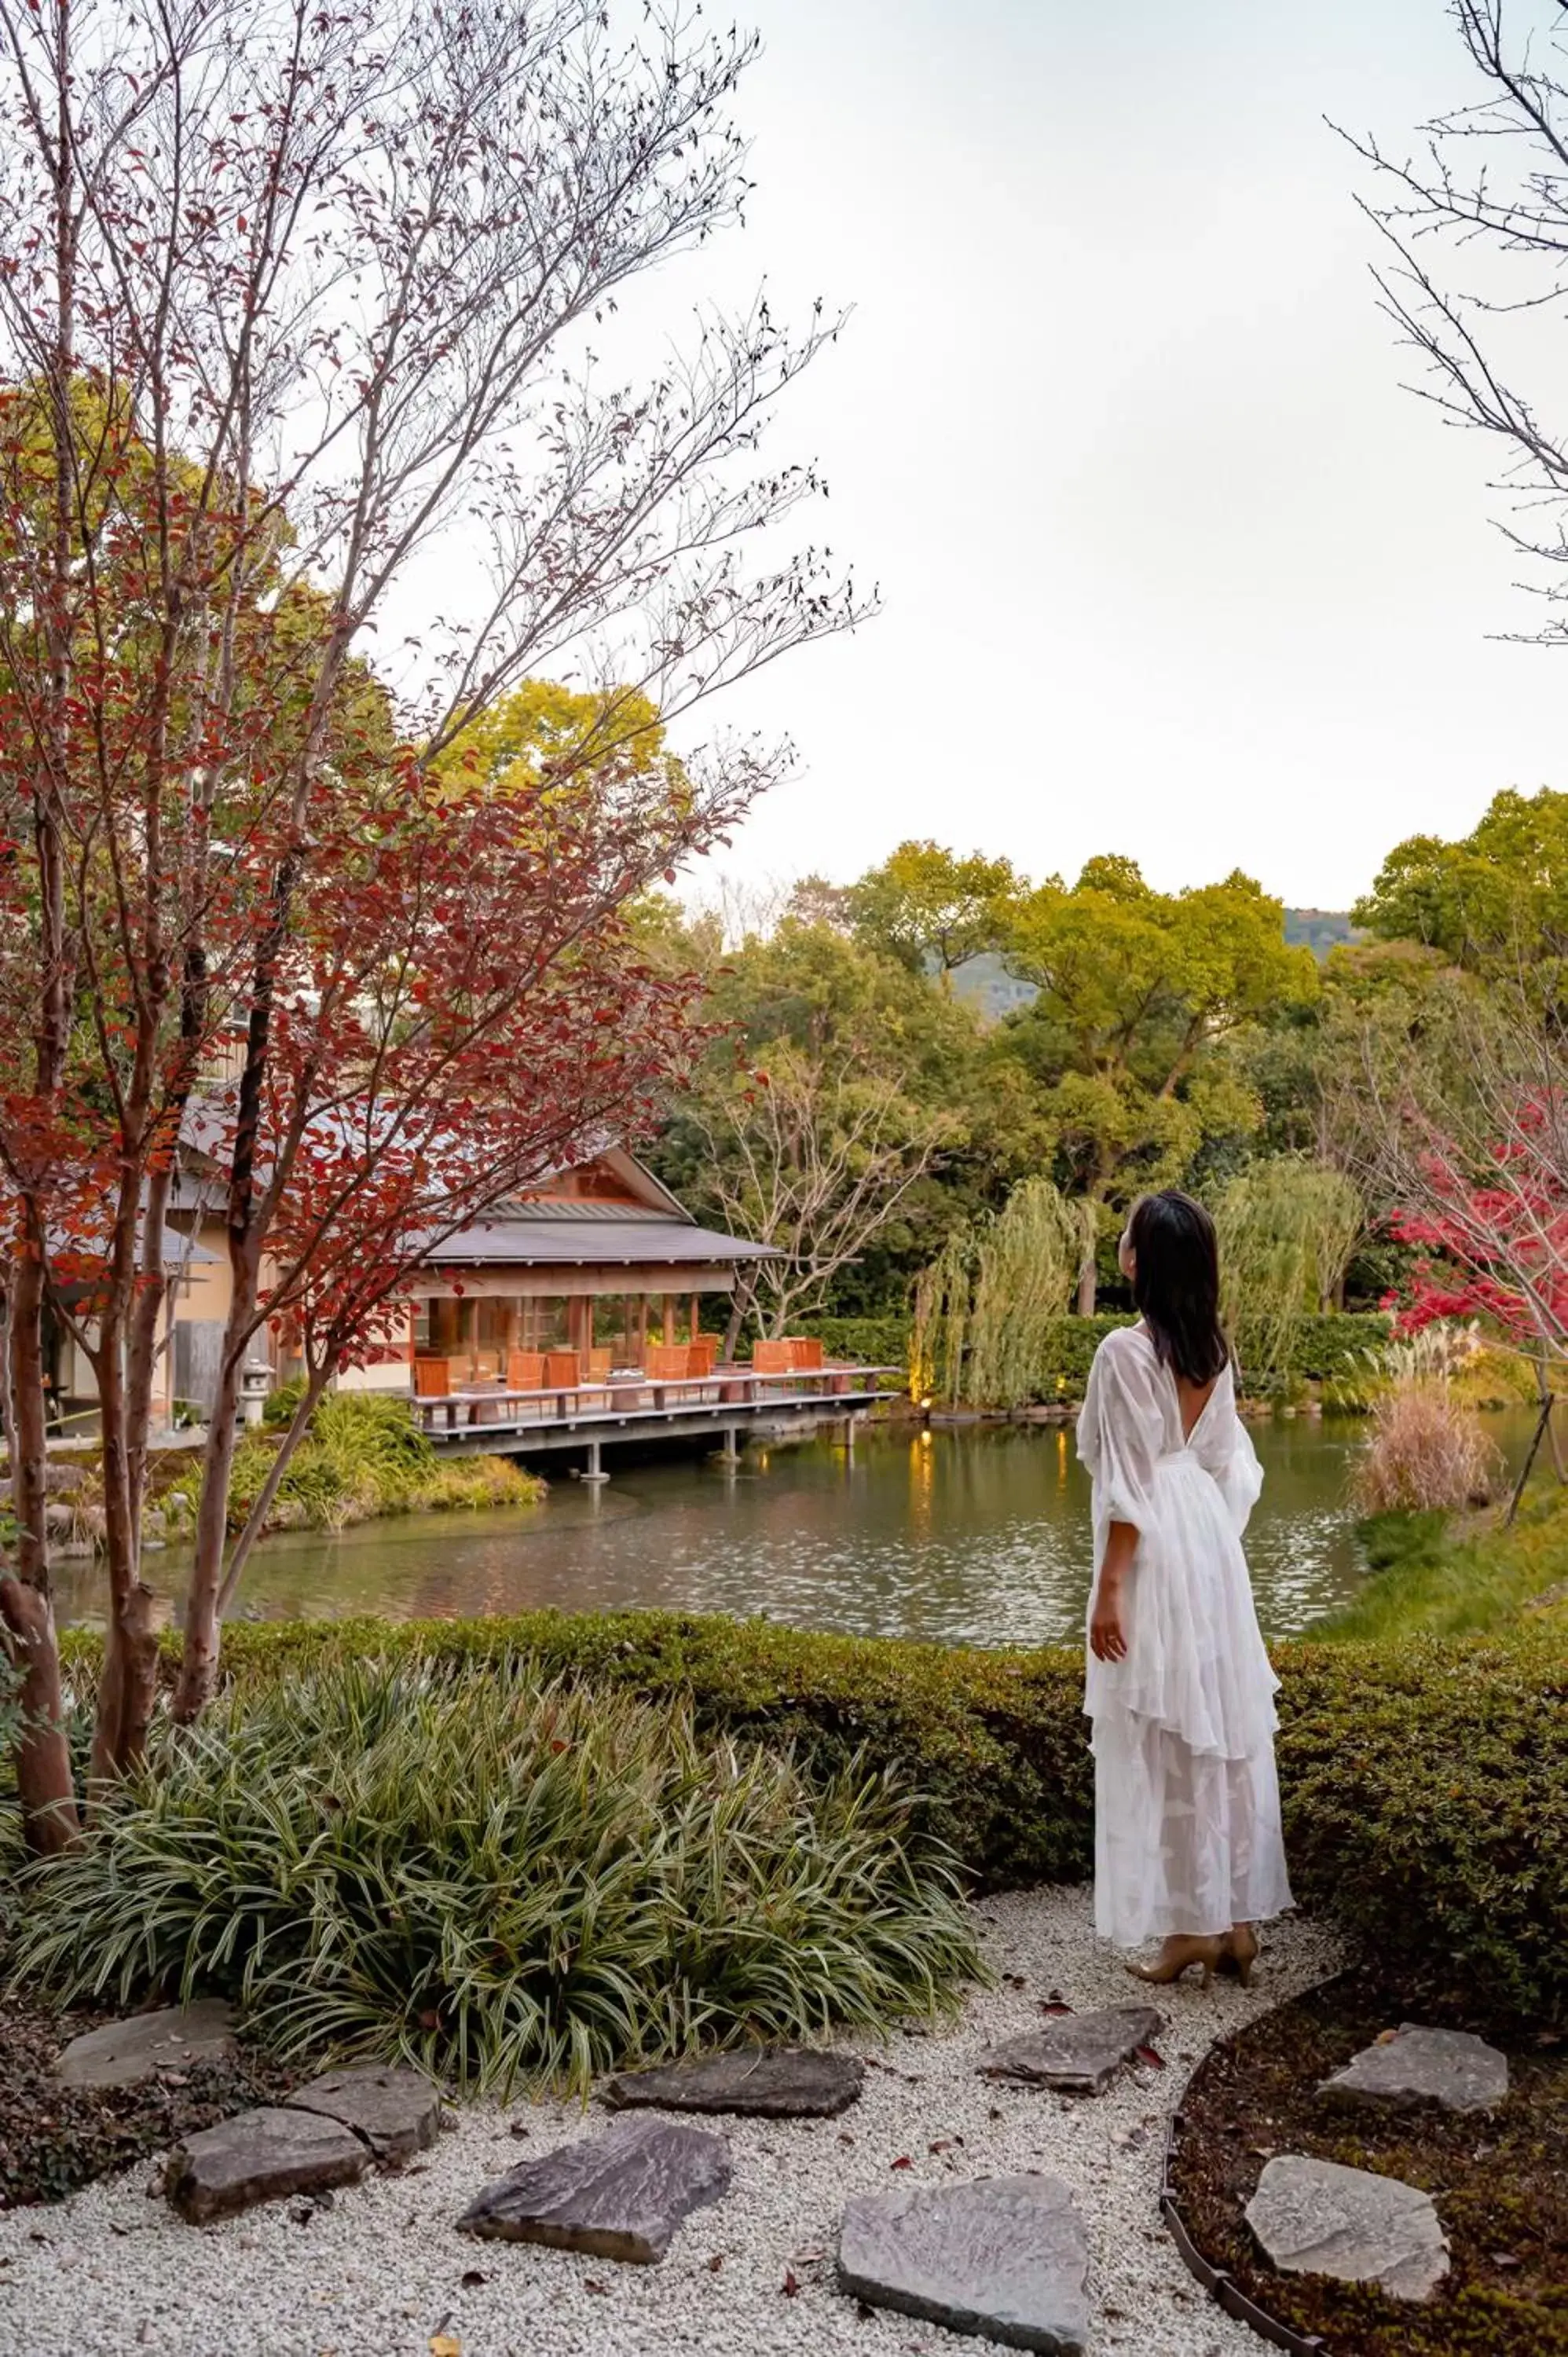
[1500, 2181]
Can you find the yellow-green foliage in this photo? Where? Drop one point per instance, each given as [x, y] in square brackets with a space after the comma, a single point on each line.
[1287, 1229]
[988, 1309]
[364, 1456]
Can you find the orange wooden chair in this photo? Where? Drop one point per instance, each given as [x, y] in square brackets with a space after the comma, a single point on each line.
[668, 1362]
[805, 1354]
[525, 1371]
[562, 1371]
[703, 1353]
[772, 1358]
[599, 1365]
[431, 1379]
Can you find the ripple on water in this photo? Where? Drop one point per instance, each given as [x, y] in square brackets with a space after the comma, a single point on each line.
[977, 1536]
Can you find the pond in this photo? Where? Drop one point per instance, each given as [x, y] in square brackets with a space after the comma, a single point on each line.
[970, 1536]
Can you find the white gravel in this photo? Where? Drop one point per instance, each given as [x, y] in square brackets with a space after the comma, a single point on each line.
[382, 2273]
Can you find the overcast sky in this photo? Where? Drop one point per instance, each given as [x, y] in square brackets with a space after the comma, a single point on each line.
[1170, 563]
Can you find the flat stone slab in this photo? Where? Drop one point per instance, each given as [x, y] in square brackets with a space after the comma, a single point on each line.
[789, 2082]
[1005, 2258]
[123, 2053]
[619, 2196]
[397, 2112]
[1412, 2065]
[260, 2156]
[1079, 2053]
[1315, 2218]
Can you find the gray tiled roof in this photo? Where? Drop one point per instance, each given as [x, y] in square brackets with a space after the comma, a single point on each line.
[578, 1238]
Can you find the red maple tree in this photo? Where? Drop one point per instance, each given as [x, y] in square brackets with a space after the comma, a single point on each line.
[288, 302]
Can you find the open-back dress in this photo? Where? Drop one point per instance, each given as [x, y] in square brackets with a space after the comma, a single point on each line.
[1186, 1801]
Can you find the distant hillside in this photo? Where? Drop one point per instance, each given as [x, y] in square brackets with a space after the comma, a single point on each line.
[1320, 929]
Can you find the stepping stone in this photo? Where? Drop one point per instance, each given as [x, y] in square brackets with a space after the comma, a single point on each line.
[1005, 2258]
[396, 2112]
[260, 2156]
[123, 2053]
[1080, 2053]
[1412, 2065]
[762, 2082]
[621, 2197]
[1314, 2218]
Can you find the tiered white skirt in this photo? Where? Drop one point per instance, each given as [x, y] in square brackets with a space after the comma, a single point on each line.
[1187, 1834]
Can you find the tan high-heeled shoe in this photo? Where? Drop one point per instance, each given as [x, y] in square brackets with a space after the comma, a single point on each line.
[1180, 1954]
[1240, 1953]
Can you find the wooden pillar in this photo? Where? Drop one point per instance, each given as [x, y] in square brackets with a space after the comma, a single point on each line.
[642, 1327]
[669, 1334]
[695, 1328]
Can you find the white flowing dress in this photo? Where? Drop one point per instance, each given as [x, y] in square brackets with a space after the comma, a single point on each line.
[1186, 1834]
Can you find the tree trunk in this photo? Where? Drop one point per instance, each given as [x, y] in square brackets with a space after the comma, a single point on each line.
[255, 1520]
[1087, 1287]
[45, 1785]
[129, 1689]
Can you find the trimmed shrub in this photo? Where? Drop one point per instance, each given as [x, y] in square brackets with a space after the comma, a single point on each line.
[497, 1878]
[870, 1341]
[1426, 1783]
[1331, 1349]
[1425, 1792]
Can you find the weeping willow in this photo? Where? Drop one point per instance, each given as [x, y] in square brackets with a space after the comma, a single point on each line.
[987, 1310]
[1288, 1230]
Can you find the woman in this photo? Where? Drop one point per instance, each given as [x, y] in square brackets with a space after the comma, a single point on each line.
[1180, 1690]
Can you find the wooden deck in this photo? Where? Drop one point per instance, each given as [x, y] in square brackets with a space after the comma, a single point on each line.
[489, 1420]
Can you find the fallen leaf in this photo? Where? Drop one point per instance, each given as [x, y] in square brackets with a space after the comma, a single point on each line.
[903, 2161]
[1147, 2054]
[1054, 2005]
[1506, 2259]
[791, 2284]
[590, 2284]
[942, 2144]
[444, 2345]
[844, 2138]
[1385, 2038]
[715, 2263]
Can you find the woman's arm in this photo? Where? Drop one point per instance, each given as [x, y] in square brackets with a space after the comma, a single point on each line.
[1107, 1638]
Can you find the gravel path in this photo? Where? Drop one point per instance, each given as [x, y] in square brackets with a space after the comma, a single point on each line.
[382, 2273]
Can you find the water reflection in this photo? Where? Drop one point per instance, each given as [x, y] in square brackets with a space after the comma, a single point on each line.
[978, 1537]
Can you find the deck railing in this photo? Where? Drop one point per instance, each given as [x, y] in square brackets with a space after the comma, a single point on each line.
[633, 1392]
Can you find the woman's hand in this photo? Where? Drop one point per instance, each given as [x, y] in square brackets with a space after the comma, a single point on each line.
[1107, 1637]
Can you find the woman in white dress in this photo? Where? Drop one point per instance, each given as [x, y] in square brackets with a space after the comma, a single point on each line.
[1180, 1689]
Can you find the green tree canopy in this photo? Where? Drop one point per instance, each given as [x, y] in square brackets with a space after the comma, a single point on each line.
[1136, 991]
[1499, 895]
[930, 909]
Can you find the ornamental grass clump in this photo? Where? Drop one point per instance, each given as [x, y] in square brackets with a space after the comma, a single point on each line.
[499, 1879]
[1426, 1452]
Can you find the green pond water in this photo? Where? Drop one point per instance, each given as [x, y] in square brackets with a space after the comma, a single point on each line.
[974, 1535]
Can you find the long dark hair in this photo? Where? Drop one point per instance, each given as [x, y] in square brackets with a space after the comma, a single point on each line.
[1175, 1283]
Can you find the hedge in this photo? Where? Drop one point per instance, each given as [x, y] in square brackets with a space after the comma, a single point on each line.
[1322, 1348]
[1425, 1786]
